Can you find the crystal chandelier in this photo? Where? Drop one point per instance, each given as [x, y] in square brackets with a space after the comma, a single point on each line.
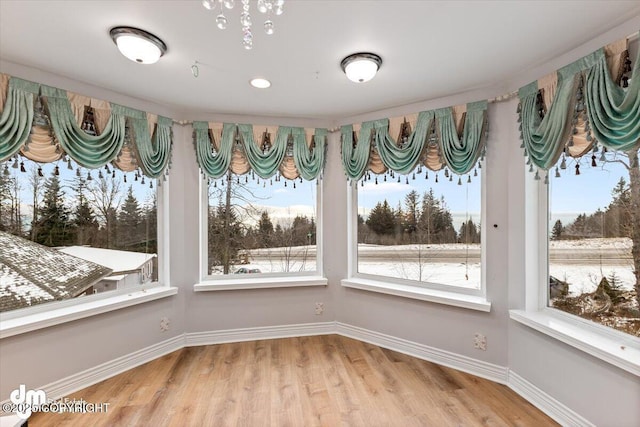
[267, 7]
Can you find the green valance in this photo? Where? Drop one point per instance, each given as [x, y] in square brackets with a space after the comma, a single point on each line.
[579, 106]
[451, 137]
[291, 151]
[31, 107]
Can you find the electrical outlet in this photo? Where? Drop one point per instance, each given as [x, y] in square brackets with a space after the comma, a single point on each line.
[164, 324]
[319, 308]
[479, 341]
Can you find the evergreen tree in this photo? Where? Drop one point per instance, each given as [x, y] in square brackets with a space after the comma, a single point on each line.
[382, 219]
[265, 230]
[469, 233]
[54, 227]
[557, 230]
[410, 221]
[150, 225]
[84, 220]
[130, 236]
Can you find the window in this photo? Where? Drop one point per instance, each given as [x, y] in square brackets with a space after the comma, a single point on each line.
[592, 224]
[69, 232]
[422, 228]
[260, 195]
[260, 227]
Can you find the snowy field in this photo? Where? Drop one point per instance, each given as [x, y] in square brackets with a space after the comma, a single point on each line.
[581, 263]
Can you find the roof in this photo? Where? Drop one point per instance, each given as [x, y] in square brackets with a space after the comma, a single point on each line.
[118, 261]
[31, 273]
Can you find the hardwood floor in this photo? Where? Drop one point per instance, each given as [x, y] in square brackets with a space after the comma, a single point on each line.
[308, 381]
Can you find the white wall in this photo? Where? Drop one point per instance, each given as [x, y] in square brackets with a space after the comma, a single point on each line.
[603, 394]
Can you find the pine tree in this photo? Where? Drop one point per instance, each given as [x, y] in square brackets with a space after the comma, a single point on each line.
[410, 221]
[265, 230]
[84, 220]
[54, 227]
[382, 219]
[129, 223]
[557, 230]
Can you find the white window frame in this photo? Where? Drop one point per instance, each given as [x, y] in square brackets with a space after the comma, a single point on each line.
[54, 313]
[258, 280]
[474, 299]
[615, 347]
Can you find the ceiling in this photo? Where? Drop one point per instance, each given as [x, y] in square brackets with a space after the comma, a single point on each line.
[429, 49]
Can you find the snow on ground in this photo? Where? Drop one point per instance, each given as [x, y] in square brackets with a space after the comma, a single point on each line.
[581, 277]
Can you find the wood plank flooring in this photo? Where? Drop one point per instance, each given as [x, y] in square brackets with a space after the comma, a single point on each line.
[308, 381]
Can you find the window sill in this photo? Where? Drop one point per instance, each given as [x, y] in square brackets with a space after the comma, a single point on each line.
[623, 353]
[259, 283]
[44, 319]
[425, 294]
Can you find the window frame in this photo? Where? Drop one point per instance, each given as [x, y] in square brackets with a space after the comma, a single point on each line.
[615, 347]
[208, 282]
[442, 293]
[53, 313]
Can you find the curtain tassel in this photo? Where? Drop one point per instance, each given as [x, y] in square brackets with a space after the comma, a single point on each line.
[150, 183]
[15, 164]
[142, 182]
[100, 175]
[475, 172]
[125, 178]
[459, 180]
[385, 177]
[56, 171]
[22, 169]
[546, 179]
[40, 171]
[89, 176]
[376, 180]
[563, 164]
[577, 168]
[537, 176]
[557, 172]
[6, 170]
[468, 179]
[407, 180]
[113, 173]
[593, 161]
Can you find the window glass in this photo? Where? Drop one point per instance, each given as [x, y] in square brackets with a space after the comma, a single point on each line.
[257, 225]
[68, 231]
[591, 224]
[424, 227]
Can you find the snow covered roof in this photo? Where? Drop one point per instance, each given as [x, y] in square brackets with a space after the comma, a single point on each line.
[31, 273]
[118, 261]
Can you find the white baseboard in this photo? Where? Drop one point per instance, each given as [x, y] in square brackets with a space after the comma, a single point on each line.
[499, 374]
[466, 364]
[260, 333]
[86, 378]
[547, 404]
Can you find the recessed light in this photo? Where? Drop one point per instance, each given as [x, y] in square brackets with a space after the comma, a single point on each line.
[260, 83]
[138, 45]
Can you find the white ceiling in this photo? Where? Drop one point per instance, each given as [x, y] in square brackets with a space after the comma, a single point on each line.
[429, 49]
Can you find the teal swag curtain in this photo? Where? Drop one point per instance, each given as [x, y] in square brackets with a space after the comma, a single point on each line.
[587, 106]
[293, 152]
[125, 130]
[17, 116]
[435, 142]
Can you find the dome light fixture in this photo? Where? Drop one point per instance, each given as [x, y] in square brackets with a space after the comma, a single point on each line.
[260, 83]
[138, 45]
[361, 67]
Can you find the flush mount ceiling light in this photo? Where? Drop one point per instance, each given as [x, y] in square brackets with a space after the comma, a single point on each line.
[138, 45]
[260, 83]
[361, 67]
